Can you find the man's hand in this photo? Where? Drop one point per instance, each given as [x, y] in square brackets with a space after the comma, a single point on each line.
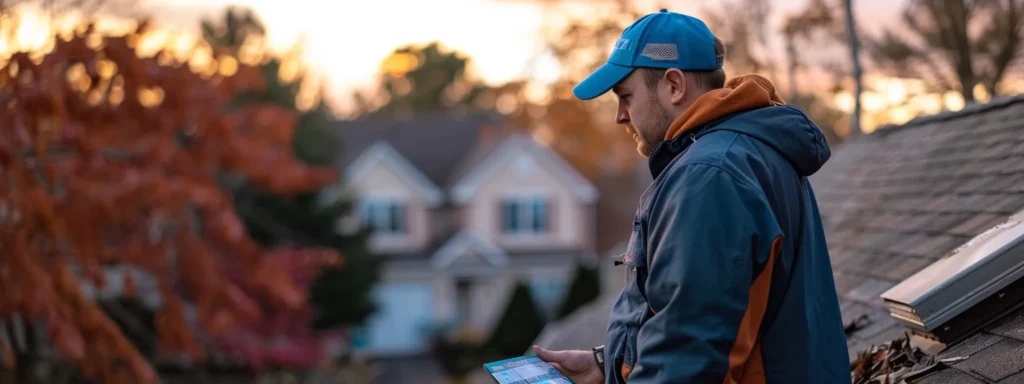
[579, 366]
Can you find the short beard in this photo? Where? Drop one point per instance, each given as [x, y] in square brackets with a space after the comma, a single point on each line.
[660, 119]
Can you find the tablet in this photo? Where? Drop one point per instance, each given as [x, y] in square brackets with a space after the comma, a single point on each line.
[525, 370]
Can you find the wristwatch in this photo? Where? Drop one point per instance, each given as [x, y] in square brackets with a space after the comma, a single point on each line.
[599, 357]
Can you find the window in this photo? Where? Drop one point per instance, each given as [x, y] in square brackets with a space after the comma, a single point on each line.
[385, 216]
[525, 215]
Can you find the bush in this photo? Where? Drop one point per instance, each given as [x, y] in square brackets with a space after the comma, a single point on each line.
[519, 326]
[585, 287]
[458, 353]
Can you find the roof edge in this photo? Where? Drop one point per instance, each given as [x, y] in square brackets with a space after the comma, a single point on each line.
[381, 151]
[995, 103]
[464, 188]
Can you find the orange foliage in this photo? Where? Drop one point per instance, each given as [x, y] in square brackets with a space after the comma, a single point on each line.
[95, 171]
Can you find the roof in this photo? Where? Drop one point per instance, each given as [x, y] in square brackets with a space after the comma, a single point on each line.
[583, 329]
[448, 152]
[895, 201]
[982, 359]
[437, 144]
[381, 151]
[481, 168]
[898, 200]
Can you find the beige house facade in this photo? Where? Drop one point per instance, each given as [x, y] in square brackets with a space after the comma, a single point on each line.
[461, 211]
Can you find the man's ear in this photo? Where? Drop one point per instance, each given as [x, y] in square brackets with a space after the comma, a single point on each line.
[677, 82]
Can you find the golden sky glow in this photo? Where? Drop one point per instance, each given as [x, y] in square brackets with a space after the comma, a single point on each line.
[345, 42]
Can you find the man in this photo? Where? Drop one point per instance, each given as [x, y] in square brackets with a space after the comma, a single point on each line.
[730, 278]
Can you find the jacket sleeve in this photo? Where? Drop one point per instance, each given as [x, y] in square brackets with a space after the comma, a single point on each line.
[711, 241]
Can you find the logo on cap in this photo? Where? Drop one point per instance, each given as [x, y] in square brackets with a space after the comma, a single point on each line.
[622, 44]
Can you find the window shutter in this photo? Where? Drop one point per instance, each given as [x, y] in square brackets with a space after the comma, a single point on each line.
[397, 219]
[549, 214]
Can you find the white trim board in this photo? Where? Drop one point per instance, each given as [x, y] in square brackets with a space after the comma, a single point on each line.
[382, 152]
[466, 187]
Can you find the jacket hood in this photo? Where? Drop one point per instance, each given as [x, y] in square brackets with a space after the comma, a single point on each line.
[749, 105]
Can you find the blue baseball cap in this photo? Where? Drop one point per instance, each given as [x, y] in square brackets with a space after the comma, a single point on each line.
[658, 40]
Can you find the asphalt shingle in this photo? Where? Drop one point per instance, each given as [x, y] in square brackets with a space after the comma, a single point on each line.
[1013, 327]
[970, 346]
[996, 362]
[928, 187]
[949, 376]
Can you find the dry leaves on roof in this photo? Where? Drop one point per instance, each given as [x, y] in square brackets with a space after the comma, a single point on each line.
[895, 363]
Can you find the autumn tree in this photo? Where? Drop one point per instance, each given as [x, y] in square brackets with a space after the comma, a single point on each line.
[585, 287]
[954, 44]
[61, 7]
[519, 325]
[417, 79]
[109, 159]
[743, 27]
[583, 132]
[803, 28]
[817, 25]
[305, 219]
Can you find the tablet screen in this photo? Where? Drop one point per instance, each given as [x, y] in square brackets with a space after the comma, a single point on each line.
[525, 370]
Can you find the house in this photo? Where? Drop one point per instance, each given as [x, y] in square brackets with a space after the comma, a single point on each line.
[894, 202]
[462, 209]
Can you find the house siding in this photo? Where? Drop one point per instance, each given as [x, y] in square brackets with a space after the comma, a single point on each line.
[522, 175]
[383, 181]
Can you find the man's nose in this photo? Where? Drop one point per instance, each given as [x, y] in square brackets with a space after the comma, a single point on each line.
[622, 117]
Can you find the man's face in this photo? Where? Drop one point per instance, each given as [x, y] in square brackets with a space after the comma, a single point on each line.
[642, 112]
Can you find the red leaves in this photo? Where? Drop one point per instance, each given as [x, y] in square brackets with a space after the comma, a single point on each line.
[69, 342]
[174, 332]
[283, 338]
[108, 158]
[241, 304]
[7, 353]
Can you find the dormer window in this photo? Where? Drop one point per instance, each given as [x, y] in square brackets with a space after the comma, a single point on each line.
[523, 215]
[387, 216]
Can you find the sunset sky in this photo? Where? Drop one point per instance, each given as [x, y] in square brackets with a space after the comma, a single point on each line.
[346, 40]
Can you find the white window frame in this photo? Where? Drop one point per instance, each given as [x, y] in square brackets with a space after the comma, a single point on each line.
[381, 223]
[525, 217]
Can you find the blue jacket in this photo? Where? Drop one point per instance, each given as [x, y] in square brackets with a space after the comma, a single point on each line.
[729, 274]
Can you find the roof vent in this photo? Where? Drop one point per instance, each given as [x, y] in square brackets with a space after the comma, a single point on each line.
[969, 288]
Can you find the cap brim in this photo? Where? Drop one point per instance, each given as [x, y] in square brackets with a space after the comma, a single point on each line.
[601, 81]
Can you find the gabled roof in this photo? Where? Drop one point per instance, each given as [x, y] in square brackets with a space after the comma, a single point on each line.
[382, 152]
[495, 153]
[465, 243]
[437, 143]
[449, 153]
[897, 200]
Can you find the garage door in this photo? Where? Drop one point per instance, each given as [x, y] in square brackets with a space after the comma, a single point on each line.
[403, 319]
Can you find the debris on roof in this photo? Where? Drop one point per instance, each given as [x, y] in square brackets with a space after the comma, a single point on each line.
[896, 362]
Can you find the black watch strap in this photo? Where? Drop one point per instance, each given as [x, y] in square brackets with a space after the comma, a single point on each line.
[599, 357]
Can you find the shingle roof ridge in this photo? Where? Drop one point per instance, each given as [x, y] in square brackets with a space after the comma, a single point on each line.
[995, 103]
